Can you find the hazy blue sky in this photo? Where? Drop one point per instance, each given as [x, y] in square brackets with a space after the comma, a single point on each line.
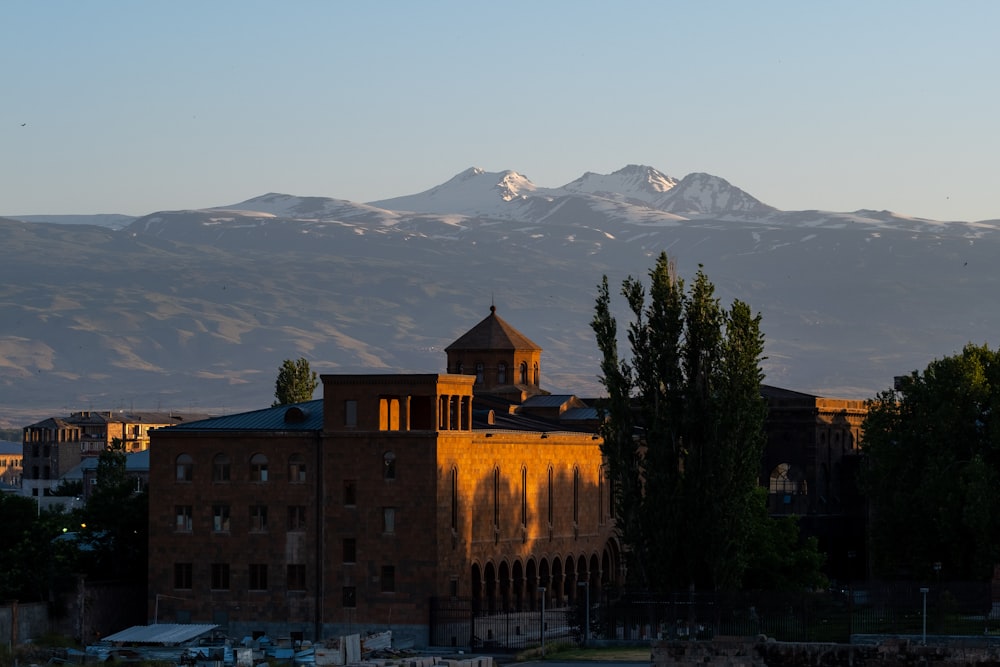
[132, 107]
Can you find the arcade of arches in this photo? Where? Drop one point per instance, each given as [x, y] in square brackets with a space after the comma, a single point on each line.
[520, 584]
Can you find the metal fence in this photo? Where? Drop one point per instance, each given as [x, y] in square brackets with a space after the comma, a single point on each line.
[898, 608]
[454, 623]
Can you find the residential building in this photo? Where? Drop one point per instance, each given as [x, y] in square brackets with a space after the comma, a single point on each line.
[53, 446]
[10, 464]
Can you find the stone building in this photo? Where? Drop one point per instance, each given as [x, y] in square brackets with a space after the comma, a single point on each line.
[10, 464]
[811, 466]
[355, 511]
[53, 446]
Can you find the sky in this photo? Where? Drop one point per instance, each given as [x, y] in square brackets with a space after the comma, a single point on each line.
[135, 107]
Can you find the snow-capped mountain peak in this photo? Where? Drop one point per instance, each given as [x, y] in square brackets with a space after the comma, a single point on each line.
[474, 191]
[700, 194]
[635, 183]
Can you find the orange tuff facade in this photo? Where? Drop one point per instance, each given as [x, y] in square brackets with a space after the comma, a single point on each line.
[355, 511]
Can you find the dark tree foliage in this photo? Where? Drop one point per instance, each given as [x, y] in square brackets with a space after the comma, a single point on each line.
[683, 434]
[933, 468]
[296, 382]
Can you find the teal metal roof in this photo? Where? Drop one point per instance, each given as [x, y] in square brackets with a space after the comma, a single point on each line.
[306, 416]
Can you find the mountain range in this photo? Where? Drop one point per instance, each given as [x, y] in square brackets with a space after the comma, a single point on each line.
[196, 309]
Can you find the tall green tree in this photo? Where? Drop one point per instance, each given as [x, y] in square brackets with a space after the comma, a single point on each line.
[116, 519]
[683, 434]
[933, 467]
[296, 382]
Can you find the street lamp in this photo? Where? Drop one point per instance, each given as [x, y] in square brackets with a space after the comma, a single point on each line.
[924, 590]
[585, 585]
[541, 589]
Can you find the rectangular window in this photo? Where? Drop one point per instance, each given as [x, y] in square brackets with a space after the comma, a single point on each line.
[185, 468]
[350, 550]
[296, 576]
[258, 576]
[258, 518]
[220, 469]
[183, 576]
[220, 576]
[349, 597]
[184, 521]
[296, 518]
[220, 518]
[388, 579]
[388, 520]
[350, 492]
[350, 413]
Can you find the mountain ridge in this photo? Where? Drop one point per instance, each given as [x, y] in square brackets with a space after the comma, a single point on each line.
[196, 309]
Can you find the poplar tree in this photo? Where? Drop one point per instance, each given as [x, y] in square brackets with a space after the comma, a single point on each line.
[683, 430]
[295, 383]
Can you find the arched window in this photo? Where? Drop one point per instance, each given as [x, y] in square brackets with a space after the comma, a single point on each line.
[534, 370]
[185, 468]
[258, 468]
[454, 499]
[502, 373]
[220, 468]
[523, 373]
[524, 497]
[551, 499]
[296, 469]
[787, 480]
[479, 372]
[496, 498]
[389, 465]
[576, 496]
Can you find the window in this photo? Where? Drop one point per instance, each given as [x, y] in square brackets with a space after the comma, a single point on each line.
[496, 498]
[551, 498]
[454, 499]
[534, 374]
[296, 576]
[220, 518]
[389, 465]
[524, 497]
[502, 373]
[388, 579]
[258, 518]
[350, 550]
[183, 575]
[258, 577]
[350, 492]
[479, 373]
[185, 468]
[220, 576]
[258, 468]
[220, 468]
[576, 496]
[350, 413]
[523, 372]
[296, 469]
[600, 495]
[296, 517]
[388, 520]
[184, 521]
[349, 597]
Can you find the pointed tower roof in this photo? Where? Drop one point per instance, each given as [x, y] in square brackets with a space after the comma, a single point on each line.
[493, 333]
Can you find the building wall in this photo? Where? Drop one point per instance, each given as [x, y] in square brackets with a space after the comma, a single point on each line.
[365, 572]
[242, 544]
